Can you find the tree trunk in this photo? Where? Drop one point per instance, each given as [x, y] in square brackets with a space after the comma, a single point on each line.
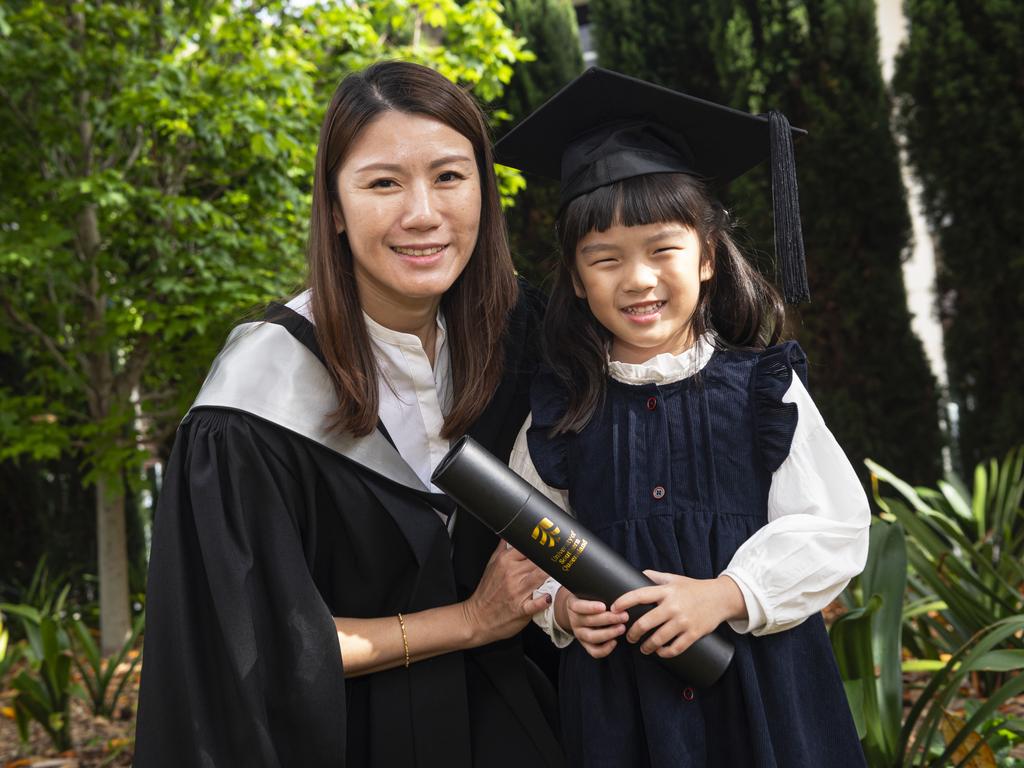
[112, 562]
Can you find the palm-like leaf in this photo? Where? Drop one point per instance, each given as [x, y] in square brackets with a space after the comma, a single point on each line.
[866, 642]
[926, 717]
[965, 550]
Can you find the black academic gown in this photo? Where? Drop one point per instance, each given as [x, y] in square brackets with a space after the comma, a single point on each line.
[266, 528]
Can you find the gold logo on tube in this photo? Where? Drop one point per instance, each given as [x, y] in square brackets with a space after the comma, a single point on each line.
[546, 532]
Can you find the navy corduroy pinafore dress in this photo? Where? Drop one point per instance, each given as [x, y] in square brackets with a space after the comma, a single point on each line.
[675, 477]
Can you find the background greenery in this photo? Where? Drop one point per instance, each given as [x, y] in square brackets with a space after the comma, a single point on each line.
[155, 162]
[961, 98]
[161, 156]
[817, 61]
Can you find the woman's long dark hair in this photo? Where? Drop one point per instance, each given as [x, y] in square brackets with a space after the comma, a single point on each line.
[476, 307]
[737, 303]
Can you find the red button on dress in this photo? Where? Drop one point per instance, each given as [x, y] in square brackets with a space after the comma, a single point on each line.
[688, 694]
[658, 492]
[652, 403]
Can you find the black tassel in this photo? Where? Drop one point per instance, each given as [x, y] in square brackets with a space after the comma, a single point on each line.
[789, 239]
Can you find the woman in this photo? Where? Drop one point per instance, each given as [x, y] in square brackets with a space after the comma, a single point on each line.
[297, 513]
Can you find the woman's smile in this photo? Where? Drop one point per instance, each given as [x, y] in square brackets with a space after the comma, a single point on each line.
[421, 255]
[409, 204]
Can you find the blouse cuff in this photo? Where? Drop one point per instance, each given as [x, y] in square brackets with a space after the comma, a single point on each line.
[756, 618]
[546, 618]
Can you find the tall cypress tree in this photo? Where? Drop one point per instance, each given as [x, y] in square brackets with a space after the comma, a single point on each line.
[818, 63]
[960, 80]
[665, 41]
[553, 36]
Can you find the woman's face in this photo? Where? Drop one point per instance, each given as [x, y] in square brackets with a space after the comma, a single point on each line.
[410, 205]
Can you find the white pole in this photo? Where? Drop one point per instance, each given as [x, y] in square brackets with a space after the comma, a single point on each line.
[919, 266]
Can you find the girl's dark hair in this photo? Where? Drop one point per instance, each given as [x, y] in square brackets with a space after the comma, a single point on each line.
[737, 303]
[477, 305]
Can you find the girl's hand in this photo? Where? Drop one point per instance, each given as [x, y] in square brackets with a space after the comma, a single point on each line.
[594, 626]
[503, 601]
[684, 610]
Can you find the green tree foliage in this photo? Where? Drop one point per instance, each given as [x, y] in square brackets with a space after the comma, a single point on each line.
[156, 163]
[662, 41]
[818, 63]
[962, 109]
[550, 30]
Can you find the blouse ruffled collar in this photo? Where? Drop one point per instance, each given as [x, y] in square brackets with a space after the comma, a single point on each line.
[665, 368]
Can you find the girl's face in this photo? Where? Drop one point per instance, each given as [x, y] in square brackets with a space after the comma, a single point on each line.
[642, 284]
[410, 202]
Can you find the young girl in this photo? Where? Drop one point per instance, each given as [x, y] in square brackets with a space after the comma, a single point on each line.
[678, 431]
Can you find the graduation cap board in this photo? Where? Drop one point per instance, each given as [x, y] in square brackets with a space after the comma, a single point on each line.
[605, 127]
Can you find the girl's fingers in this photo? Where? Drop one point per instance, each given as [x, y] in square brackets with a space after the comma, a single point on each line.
[677, 646]
[601, 619]
[653, 618]
[600, 651]
[585, 607]
[664, 635]
[658, 577]
[642, 596]
[598, 636]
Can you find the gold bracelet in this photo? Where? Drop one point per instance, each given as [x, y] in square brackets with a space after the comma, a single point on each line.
[405, 639]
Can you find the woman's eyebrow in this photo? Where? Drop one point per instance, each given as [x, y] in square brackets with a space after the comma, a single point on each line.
[450, 159]
[379, 167]
[394, 167]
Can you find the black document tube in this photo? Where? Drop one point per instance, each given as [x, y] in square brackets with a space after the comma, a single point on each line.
[560, 546]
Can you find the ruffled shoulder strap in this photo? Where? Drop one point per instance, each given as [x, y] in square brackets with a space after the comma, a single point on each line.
[548, 404]
[775, 421]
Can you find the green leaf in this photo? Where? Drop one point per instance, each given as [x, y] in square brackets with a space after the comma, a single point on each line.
[855, 696]
[1003, 660]
[922, 665]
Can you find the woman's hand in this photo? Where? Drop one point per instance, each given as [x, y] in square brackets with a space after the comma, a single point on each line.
[594, 626]
[503, 601]
[684, 610]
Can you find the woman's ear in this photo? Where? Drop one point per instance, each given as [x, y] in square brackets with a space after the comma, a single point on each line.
[339, 219]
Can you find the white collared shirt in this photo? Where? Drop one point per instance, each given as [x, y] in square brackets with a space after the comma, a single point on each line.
[816, 538]
[414, 396]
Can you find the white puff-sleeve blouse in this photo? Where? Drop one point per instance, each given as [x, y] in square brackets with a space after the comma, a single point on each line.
[816, 538]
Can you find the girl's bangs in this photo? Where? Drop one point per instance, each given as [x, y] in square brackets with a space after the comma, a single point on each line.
[651, 199]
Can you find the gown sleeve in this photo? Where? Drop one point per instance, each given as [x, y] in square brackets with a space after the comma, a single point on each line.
[521, 463]
[816, 538]
[241, 660]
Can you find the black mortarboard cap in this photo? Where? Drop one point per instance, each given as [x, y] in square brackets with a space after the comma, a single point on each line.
[604, 127]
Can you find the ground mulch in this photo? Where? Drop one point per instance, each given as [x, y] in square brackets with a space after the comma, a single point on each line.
[99, 742]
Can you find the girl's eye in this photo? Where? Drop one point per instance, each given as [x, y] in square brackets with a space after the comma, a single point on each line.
[450, 176]
[667, 248]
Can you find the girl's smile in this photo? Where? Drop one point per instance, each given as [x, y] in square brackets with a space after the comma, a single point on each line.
[642, 284]
[644, 312]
